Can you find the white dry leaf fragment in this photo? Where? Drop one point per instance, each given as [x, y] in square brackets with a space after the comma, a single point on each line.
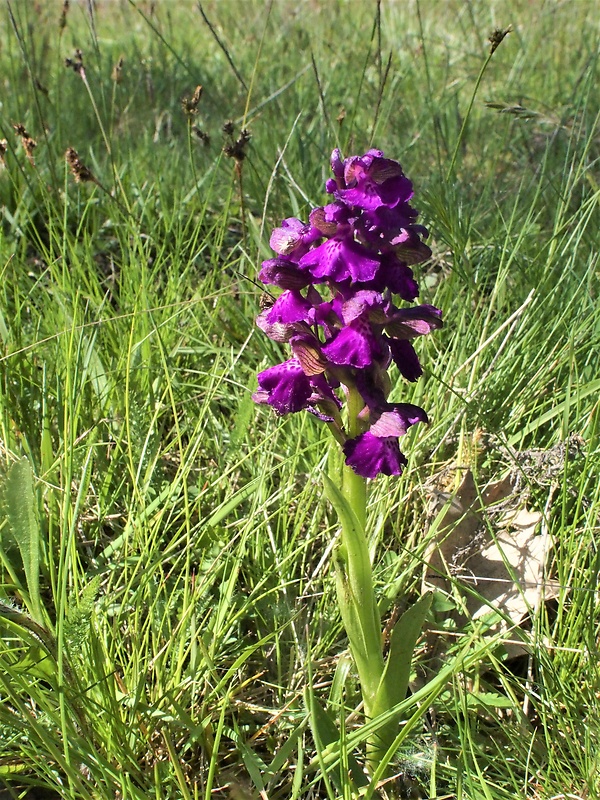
[518, 553]
[493, 551]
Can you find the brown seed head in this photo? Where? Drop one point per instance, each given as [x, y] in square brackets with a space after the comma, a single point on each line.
[3, 149]
[200, 134]
[29, 146]
[76, 63]
[78, 169]
[190, 104]
[497, 37]
[197, 94]
[40, 87]
[117, 73]
[27, 142]
[237, 149]
[62, 22]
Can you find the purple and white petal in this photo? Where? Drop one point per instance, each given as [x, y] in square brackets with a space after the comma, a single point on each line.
[397, 420]
[293, 238]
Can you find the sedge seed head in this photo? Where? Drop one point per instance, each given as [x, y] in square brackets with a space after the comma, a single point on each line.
[190, 105]
[117, 73]
[80, 172]
[497, 37]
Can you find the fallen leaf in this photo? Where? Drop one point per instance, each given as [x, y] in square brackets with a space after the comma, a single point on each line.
[490, 552]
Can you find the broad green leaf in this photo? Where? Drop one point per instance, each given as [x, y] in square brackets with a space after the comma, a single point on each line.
[394, 681]
[23, 527]
[254, 764]
[4, 332]
[327, 736]
[233, 502]
[285, 752]
[489, 700]
[36, 663]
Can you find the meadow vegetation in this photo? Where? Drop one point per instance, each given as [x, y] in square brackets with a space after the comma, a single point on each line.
[167, 604]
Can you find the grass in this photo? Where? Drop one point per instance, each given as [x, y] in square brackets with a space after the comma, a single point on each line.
[182, 538]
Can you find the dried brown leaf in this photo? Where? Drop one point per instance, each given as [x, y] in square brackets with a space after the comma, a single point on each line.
[492, 550]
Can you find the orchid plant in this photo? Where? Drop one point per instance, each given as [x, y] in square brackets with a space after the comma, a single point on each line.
[342, 275]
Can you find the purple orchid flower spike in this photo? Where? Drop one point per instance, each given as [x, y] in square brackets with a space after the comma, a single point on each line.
[358, 250]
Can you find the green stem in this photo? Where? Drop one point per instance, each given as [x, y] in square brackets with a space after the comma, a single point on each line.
[356, 595]
[354, 489]
[347, 492]
[354, 578]
[465, 121]
[383, 682]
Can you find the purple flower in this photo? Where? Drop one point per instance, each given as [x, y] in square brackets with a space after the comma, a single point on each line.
[406, 359]
[406, 323]
[395, 276]
[289, 307]
[389, 228]
[356, 345]
[371, 181]
[285, 387]
[330, 219]
[365, 303]
[288, 389]
[397, 419]
[370, 455]
[377, 450]
[284, 273]
[344, 336]
[339, 259]
[293, 238]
